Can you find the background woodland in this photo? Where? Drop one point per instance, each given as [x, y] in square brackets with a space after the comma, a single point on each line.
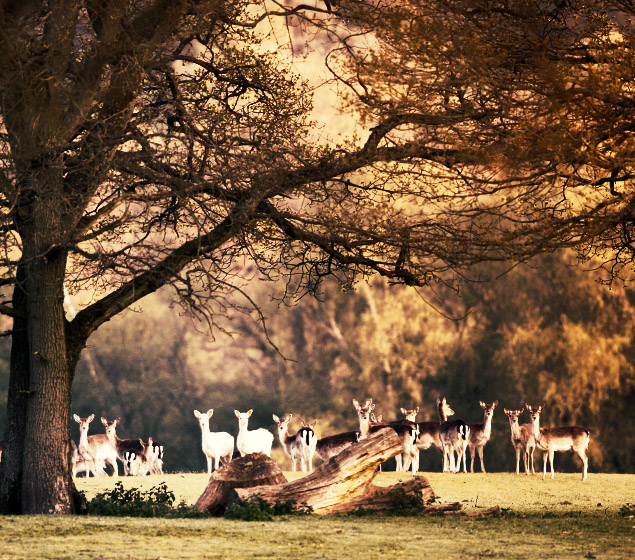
[543, 332]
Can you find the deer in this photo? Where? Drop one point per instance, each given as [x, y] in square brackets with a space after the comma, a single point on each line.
[96, 450]
[480, 433]
[217, 446]
[122, 445]
[429, 431]
[522, 440]
[330, 446]
[252, 441]
[300, 446]
[144, 462]
[454, 436]
[78, 463]
[562, 438]
[156, 466]
[410, 415]
[406, 430]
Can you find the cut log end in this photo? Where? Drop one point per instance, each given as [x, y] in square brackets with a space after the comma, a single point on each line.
[256, 469]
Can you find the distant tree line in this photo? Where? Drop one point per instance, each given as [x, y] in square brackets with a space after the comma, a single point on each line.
[545, 333]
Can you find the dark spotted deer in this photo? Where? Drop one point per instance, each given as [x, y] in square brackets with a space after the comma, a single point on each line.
[121, 446]
[333, 445]
[299, 446]
[480, 433]
[455, 436]
[562, 438]
[429, 431]
[411, 416]
[405, 429]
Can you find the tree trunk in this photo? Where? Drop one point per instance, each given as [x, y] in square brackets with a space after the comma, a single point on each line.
[46, 483]
[255, 469]
[11, 465]
[344, 482]
[37, 475]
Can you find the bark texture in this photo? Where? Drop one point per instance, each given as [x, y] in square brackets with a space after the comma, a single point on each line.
[344, 482]
[255, 469]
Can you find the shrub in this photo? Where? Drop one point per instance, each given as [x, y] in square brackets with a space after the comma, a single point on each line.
[257, 509]
[156, 502]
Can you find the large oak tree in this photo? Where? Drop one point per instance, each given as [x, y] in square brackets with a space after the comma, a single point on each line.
[147, 143]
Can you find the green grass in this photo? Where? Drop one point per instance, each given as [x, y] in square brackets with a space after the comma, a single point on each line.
[560, 518]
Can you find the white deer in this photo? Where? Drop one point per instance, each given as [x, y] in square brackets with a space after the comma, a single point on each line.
[298, 446]
[562, 438]
[252, 441]
[96, 449]
[217, 446]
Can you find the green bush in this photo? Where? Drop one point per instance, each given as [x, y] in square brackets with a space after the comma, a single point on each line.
[156, 502]
[257, 509]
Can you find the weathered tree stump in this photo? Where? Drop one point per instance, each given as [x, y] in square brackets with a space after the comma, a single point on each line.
[255, 469]
[343, 483]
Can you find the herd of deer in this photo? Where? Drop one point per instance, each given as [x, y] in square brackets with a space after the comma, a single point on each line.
[94, 452]
[451, 437]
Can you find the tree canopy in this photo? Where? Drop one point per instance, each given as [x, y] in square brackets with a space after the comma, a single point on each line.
[147, 143]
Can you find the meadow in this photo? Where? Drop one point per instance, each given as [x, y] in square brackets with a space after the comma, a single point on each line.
[559, 518]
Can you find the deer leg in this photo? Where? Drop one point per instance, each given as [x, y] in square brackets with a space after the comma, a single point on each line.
[480, 456]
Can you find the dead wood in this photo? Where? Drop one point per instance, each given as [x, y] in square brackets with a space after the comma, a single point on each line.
[343, 483]
[255, 469]
[340, 485]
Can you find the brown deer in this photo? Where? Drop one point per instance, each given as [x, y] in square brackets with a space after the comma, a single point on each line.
[480, 433]
[96, 449]
[522, 439]
[562, 438]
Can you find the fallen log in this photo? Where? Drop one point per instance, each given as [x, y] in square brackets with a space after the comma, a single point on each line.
[255, 469]
[343, 483]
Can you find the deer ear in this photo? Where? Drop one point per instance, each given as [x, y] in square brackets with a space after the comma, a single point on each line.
[403, 410]
[276, 419]
[77, 418]
[495, 403]
[237, 413]
[417, 410]
[210, 412]
[482, 404]
[250, 412]
[356, 404]
[197, 414]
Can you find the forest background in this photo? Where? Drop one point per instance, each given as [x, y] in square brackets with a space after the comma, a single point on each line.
[546, 332]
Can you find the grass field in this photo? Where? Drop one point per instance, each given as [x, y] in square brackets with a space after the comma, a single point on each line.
[560, 518]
